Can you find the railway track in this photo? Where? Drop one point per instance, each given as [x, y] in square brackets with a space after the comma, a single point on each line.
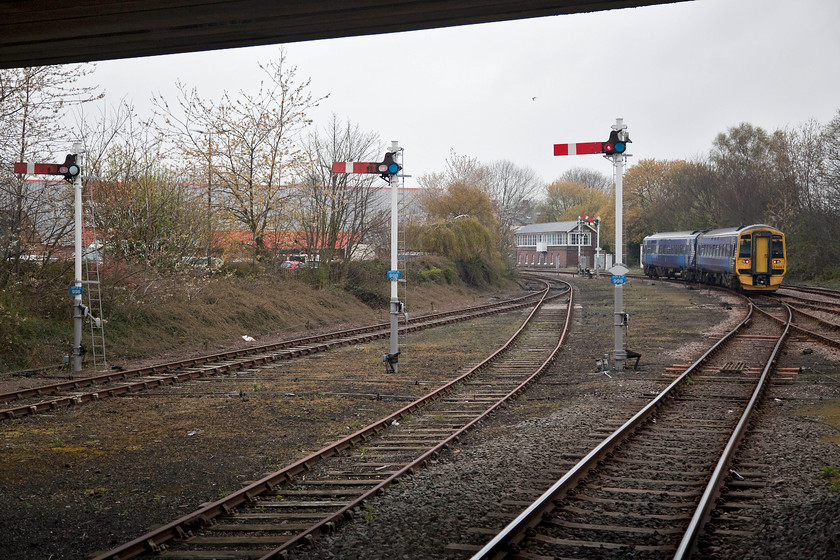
[815, 318]
[80, 390]
[649, 488]
[292, 506]
[800, 292]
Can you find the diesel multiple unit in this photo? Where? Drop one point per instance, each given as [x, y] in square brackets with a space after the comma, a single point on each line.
[746, 258]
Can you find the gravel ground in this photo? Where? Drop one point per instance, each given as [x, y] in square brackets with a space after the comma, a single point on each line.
[549, 428]
[80, 481]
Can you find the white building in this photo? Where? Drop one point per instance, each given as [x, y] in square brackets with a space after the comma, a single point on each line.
[556, 244]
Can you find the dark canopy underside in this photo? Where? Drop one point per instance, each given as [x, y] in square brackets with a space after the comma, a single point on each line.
[34, 33]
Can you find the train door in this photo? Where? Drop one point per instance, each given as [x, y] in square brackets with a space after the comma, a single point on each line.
[761, 253]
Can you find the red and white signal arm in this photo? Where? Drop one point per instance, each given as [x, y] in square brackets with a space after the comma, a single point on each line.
[354, 167]
[578, 148]
[69, 168]
[37, 168]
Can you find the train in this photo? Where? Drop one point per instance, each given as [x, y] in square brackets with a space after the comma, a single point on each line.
[749, 259]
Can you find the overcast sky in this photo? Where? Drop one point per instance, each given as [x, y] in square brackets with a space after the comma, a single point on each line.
[678, 74]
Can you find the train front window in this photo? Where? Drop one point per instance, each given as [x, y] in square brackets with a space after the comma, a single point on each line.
[778, 249]
[746, 248]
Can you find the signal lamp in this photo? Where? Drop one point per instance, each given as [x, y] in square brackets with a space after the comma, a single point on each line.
[69, 168]
[615, 145]
[388, 165]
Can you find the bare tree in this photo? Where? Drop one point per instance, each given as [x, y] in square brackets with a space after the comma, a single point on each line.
[35, 215]
[742, 160]
[144, 213]
[338, 209]
[248, 141]
[459, 169]
[589, 178]
[512, 189]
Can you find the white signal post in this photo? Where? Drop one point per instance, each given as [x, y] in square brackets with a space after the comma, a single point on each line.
[619, 270]
[70, 168]
[78, 309]
[597, 222]
[389, 170]
[394, 351]
[598, 247]
[613, 149]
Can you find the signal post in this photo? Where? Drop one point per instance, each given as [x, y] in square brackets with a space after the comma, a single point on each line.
[71, 172]
[614, 149]
[389, 170]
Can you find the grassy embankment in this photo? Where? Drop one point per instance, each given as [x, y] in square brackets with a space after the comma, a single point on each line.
[191, 312]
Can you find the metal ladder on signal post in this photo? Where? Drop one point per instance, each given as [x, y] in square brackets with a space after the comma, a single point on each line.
[92, 257]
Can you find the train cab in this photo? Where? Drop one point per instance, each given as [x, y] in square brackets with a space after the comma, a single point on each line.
[760, 263]
[746, 258]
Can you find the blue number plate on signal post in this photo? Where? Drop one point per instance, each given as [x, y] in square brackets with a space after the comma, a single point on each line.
[393, 275]
[618, 279]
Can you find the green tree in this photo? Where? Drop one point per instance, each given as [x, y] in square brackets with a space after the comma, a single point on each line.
[460, 224]
[467, 242]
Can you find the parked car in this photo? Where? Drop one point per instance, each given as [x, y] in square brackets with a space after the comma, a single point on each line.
[291, 265]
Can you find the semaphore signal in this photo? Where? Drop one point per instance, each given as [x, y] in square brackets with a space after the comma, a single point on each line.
[617, 144]
[578, 149]
[70, 170]
[614, 148]
[354, 167]
[388, 169]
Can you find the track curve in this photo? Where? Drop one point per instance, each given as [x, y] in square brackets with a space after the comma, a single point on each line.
[294, 505]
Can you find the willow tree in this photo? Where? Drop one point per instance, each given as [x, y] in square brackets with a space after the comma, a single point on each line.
[461, 225]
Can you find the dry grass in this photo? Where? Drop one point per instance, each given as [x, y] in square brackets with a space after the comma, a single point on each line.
[174, 317]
